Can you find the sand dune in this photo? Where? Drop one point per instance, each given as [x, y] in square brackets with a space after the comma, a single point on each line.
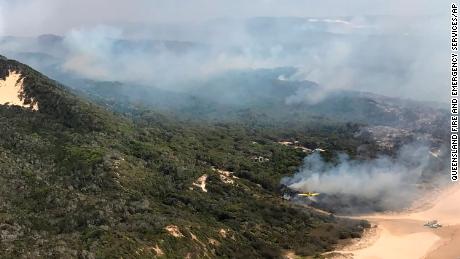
[402, 235]
[11, 90]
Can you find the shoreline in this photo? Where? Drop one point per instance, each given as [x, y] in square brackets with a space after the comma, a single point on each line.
[403, 234]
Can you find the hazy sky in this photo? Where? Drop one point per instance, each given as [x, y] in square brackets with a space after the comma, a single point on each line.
[31, 17]
[404, 56]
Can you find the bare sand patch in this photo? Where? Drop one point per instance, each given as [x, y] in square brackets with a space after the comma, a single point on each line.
[174, 231]
[158, 250]
[403, 235]
[213, 242]
[399, 243]
[201, 182]
[155, 250]
[223, 233]
[289, 255]
[226, 176]
[446, 209]
[12, 91]
[449, 245]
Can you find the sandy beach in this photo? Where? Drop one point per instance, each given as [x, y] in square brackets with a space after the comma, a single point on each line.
[403, 235]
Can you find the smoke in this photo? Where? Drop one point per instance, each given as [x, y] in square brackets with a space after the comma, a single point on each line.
[404, 61]
[354, 186]
[103, 53]
[91, 53]
[385, 47]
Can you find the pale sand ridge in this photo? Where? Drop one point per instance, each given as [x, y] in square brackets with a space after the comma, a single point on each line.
[11, 90]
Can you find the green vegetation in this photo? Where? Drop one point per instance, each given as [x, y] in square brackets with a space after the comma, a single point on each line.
[79, 181]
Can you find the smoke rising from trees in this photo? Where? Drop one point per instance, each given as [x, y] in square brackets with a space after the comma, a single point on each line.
[383, 183]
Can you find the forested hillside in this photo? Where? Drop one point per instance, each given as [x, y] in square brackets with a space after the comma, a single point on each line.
[79, 181]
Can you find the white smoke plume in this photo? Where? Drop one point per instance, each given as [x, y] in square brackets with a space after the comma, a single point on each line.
[103, 53]
[383, 183]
